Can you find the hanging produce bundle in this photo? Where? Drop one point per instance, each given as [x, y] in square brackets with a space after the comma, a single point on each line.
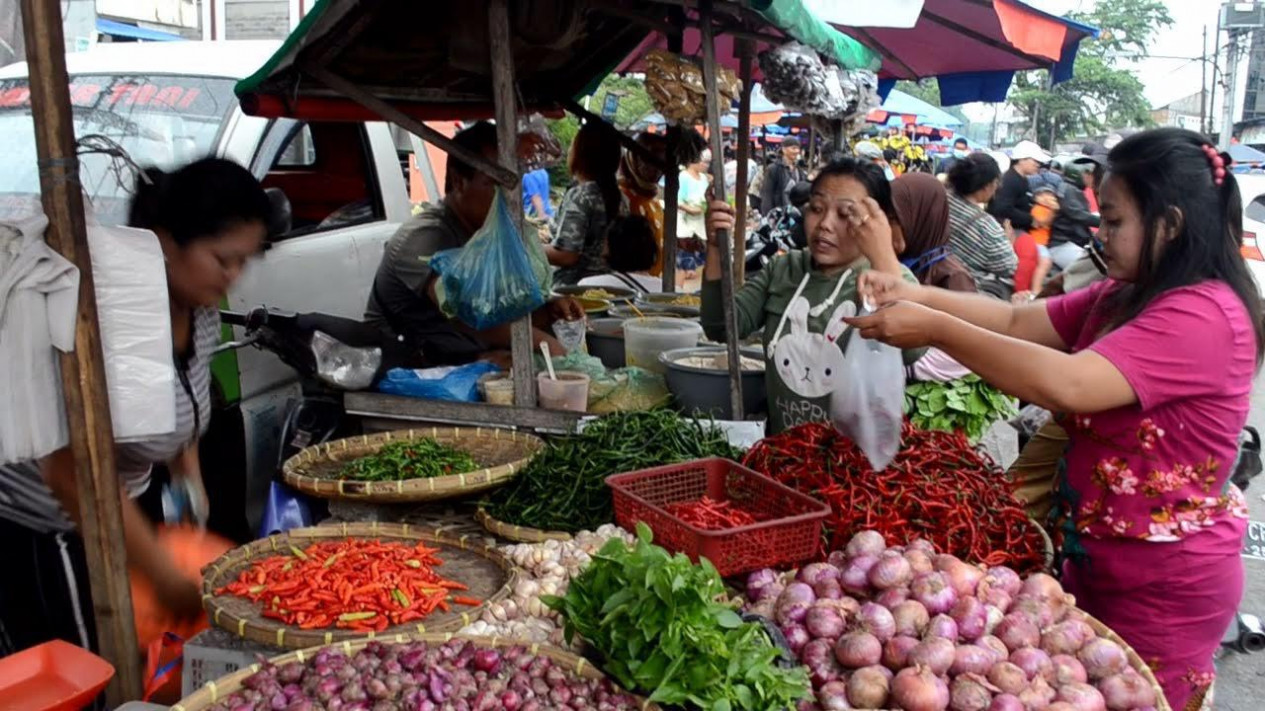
[353, 584]
[412, 459]
[968, 405]
[459, 674]
[654, 619]
[676, 88]
[564, 487]
[903, 627]
[545, 569]
[938, 487]
[796, 77]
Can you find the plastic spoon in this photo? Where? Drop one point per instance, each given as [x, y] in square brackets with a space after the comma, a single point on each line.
[544, 350]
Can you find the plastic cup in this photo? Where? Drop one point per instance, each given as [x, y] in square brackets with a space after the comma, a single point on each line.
[499, 390]
[569, 392]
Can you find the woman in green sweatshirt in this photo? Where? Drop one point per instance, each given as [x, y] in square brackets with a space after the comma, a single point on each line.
[801, 298]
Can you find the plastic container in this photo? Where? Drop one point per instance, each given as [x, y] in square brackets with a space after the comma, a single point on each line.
[606, 341]
[646, 338]
[569, 392]
[498, 389]
[788, 534]
[53, 676]
[704, 392]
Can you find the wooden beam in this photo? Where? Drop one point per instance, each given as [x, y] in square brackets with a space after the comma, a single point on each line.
[506, 177]
[83, 372]
[505, 99]
[722, 237]
[745, 52]
[672, 178]
[376, 406]
[624, 139]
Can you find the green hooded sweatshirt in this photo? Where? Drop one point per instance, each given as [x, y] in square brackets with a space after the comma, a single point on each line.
[762, 303]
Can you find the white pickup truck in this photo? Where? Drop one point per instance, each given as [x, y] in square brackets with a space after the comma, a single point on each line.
[168, 103]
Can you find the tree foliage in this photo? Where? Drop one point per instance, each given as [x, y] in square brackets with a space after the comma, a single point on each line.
[634, 105]
[1103, 92]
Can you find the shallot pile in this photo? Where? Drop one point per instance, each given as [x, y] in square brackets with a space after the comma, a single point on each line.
[544, 568]
[458, 675]
[905, 628]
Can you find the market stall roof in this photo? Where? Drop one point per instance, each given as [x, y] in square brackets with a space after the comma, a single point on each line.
[1245, 154]
[431, 61]
[974, 47]
[900, 108]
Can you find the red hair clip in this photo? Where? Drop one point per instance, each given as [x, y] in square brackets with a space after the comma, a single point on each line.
[1217, 162]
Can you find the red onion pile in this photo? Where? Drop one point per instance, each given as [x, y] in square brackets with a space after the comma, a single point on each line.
[457, 675]
[905, 628]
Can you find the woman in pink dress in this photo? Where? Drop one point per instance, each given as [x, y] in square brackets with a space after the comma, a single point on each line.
[1152, 370]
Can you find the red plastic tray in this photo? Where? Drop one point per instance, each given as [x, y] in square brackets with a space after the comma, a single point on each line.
[790, 534]
[53, 676]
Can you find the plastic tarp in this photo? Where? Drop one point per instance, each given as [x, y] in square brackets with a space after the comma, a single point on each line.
[898, 104]
[796, 20]
[974, 47]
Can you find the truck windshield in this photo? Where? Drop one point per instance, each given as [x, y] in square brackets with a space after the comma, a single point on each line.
[159, 120]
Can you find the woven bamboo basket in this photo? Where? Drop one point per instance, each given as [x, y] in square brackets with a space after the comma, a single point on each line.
[468, 560]
[501, 453]
[520, 534]
[221, 688]
[1138, 664]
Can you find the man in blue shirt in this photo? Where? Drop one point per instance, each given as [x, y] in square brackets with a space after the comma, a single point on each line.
[536, 194]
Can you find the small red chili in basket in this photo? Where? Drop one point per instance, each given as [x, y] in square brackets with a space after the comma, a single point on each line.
[711, 515]
[938, 487]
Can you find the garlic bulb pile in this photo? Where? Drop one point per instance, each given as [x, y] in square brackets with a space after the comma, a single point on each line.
[545, 568]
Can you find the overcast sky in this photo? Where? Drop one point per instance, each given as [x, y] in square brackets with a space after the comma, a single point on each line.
[1165, 79]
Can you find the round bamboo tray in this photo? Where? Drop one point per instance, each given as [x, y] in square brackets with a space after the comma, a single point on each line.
[520, 534]
[470, 561]
[1138, 664]
[501, 453]
[215, 691]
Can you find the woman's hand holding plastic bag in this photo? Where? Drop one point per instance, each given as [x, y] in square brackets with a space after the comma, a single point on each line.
[495, 278]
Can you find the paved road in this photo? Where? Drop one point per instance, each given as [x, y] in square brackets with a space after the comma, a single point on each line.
[1241, 678]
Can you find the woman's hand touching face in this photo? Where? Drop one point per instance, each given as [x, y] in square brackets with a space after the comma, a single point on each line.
[844, 223]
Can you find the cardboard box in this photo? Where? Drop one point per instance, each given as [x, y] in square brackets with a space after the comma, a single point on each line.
[214, 653]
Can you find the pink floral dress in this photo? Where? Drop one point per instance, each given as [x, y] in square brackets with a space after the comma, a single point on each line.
[1151, 526]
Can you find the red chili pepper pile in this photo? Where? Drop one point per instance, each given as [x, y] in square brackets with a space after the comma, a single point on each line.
[712, 515]
[354, 584]
[938, 487]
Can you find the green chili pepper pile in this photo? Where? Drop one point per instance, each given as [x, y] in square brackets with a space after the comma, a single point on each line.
[414, 459]
[564, 487]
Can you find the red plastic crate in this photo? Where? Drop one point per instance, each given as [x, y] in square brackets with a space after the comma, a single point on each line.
[790, 534]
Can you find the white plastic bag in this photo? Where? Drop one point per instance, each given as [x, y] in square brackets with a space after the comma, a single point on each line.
[135, 319]
[870, 406]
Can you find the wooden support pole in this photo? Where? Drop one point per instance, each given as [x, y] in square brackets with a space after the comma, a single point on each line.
[507, 148]
[745, 50]
[83, 372]
[672, 178]
[722, 237]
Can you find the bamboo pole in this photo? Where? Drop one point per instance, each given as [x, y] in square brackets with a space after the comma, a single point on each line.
[507, 148]
[672, 177]
[83, 372]
[722, 237]
[745, 50]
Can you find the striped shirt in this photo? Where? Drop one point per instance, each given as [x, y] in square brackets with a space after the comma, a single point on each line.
[979, 241]
[26, 499]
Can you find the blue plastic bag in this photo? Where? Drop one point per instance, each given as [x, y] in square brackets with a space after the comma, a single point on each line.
[455, 384]
[495, 278]
[285, 509]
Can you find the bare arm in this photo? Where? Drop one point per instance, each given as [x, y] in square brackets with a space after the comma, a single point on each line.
[176, 591]
[1027, 322]
[561, 257]
[538, 204]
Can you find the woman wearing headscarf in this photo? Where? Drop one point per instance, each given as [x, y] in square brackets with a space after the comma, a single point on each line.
[921, 233]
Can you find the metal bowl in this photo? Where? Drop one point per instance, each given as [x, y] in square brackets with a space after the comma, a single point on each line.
[606, 341]
[653, 310]
[617, 294]
[665, 300]
[705, 391]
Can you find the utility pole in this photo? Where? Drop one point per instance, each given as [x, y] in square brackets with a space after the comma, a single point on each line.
[1216, 70]
[1203, 86]
[1231, 81]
